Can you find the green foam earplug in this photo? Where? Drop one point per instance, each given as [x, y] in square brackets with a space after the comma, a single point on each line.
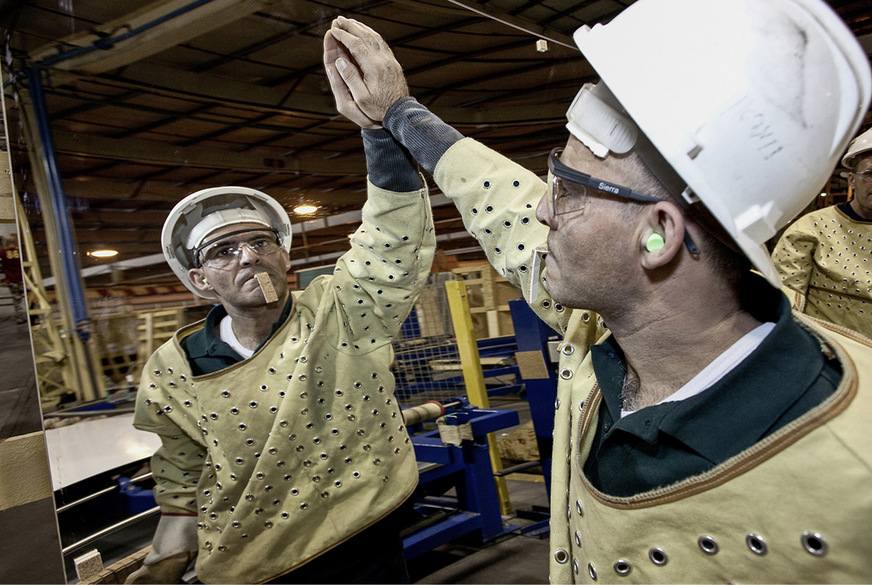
[655, 242]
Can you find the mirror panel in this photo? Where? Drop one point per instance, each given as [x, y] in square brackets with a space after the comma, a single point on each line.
[117, 110]
[30, 548]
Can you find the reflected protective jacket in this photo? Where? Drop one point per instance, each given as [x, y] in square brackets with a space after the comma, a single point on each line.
[290, 452]
[823, 258]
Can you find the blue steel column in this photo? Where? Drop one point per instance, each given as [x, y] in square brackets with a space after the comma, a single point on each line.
[66, 243]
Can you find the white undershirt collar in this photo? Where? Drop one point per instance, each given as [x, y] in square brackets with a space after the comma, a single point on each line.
[229, 337]
[720, 367]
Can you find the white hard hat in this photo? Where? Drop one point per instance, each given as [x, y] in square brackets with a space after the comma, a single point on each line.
[751, 102]
[201, 213]
[858, 146]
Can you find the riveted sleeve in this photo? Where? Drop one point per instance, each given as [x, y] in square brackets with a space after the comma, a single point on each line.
[496, 197]
[377, 281]
[176, 467]
[497, 200]
[178, 463]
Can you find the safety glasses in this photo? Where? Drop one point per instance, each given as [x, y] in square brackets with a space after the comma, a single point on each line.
[223, 252]
[563, 199]
[568, 198]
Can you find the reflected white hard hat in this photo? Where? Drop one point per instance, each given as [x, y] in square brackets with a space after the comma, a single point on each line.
[751, 102]
[201, 213]
[860, 145]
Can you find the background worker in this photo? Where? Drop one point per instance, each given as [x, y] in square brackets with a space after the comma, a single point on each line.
[823, 257]
[712, 435]
[11, 260]
[284, 452]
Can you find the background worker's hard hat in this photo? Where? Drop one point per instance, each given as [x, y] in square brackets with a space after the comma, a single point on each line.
[751, 102]
[860, 145]
[201, 213]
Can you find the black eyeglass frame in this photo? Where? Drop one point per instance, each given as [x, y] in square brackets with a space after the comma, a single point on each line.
[206, 244]
[562, 171]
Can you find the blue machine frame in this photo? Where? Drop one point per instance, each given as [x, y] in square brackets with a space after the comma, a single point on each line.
[477, 507]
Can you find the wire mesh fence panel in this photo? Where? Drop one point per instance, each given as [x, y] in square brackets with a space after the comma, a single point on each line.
[426, 360]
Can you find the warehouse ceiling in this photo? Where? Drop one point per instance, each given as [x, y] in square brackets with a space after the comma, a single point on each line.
[148, 101]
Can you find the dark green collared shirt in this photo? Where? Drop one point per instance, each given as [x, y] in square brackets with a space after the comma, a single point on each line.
[786, 376]
[205, 350]
[849, 211]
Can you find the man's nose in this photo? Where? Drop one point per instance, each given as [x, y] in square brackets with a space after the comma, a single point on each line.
[543, 212]
[247, 255]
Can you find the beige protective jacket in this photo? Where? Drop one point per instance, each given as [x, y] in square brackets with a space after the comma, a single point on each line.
[825, 259]
[294, 450]
[794, 508]
[821, 463]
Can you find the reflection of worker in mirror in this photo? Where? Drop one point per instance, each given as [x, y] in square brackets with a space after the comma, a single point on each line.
[284, 454]
[824, 257]
[712, 435]
[11, 258]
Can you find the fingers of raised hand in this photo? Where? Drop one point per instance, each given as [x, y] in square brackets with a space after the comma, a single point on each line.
[367, 36]
[368, 66]
[336, 55]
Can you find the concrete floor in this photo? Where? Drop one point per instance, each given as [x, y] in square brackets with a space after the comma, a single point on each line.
[19, 408]
[514, 558]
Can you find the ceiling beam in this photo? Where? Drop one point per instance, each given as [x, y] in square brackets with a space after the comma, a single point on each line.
[140, 34]
[153, 78]
[160, 153]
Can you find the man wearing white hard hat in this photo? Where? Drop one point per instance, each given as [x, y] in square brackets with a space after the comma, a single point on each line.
[823, 257]
[284, 457]
[710, 435]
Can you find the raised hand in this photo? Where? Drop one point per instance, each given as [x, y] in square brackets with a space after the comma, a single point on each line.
[365, 77]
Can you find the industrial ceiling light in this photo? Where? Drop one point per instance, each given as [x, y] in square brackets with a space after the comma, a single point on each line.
[305, 209]
[103, 253]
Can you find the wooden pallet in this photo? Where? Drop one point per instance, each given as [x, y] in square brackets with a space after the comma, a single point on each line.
[489, 296]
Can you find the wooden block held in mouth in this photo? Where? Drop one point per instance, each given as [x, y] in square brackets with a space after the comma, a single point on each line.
[266, 287]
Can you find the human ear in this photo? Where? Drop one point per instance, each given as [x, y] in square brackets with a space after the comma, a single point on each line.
[198, 279]
[661, 235]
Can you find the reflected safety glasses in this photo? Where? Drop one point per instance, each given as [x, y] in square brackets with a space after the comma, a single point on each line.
[564, 198]
[223, 252]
